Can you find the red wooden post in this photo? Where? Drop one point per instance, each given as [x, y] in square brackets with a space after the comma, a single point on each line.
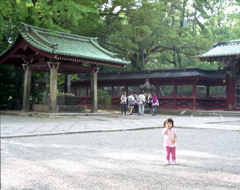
[112, 88]
[232, 87]
[194, 95]
[175, 95]
[207, 94]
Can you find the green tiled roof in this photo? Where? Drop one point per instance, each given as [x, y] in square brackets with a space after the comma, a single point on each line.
[227, 48]
[70, 45]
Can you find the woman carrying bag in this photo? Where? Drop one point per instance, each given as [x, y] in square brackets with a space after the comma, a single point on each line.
[154, 103]
[131, 103]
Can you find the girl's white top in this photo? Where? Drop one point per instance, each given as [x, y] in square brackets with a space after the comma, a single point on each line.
[168, 138]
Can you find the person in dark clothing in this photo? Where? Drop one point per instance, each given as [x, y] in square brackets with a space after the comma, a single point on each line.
[136, 103]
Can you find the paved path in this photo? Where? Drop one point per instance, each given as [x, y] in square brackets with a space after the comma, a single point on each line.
[121, 160]
[20, 126]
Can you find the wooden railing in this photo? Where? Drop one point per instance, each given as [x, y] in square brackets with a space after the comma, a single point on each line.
[173, 103]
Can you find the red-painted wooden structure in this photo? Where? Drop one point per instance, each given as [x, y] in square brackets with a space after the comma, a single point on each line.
[188, 88]
[228, 53]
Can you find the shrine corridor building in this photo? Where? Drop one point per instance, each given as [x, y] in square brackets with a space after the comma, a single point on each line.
[185, 88]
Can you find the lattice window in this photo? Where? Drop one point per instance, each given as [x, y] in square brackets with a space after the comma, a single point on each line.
[217, 91]
[73, 90]
[60, 89]
[81, 100]
[108, 89]
[89, 91]
[166, 103]
[201, 91]
[118, 90]
[184, 90]
[154, 89]
[80, 91]
[166, 91]
[133, 88]
[201, 103]
[184, 103]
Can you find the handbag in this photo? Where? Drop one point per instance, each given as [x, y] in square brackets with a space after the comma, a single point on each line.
[156, 104]
[132, 103]
[121, 102]
[150, 102]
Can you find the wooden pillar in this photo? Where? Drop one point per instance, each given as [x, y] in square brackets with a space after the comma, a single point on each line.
[94, 103]
[232, 89]
[53, 108]
[67, 83]
[208, 95]
[112, 89]
[47, 81]
[194, 95]
[27, 88]
[175, 95]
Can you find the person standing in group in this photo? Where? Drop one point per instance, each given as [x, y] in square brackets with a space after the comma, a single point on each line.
[124, 102]
[135, 96]
[130, 103]
[150, 103]
[141, 103]
[154, 103]
[170, 137]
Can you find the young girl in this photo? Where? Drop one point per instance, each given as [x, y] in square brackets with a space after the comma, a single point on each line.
[170, 137]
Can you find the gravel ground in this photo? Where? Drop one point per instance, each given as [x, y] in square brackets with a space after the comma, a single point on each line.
[206, 159]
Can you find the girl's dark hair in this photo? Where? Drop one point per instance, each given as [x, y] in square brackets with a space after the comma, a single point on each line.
[153, 93]
[168, 119]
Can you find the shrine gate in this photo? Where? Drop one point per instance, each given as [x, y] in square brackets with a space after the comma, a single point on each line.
[36, 49]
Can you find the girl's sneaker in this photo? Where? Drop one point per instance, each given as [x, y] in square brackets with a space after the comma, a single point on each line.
[167, 162]
[173, 162]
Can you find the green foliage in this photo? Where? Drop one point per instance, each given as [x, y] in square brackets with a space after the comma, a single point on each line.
[165, 34]
[6, 86]
[37, 92]
[51, 14]
[61, 80]
[104, 99]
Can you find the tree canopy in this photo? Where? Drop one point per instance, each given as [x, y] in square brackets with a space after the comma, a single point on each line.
[152, 34]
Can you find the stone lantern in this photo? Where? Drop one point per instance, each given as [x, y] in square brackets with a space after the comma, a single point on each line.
[147, 90]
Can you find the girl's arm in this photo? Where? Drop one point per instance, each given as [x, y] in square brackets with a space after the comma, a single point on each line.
[165, 131]
[175, 137]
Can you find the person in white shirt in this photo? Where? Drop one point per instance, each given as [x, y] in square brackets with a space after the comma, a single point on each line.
[124, 102]
[141, 103]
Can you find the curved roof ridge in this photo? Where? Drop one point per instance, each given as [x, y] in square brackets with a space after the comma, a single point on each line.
[68, 37]
[62, 33]
[42, 39]
[30, 36]
[101, 48]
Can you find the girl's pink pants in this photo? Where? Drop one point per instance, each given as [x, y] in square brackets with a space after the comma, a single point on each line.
[171, 150]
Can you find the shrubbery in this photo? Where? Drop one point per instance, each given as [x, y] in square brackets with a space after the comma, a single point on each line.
[104, 99]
